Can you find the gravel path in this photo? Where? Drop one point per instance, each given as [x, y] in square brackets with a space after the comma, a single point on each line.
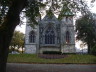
[17, 67]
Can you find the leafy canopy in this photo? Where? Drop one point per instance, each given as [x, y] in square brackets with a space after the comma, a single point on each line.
[18, 39]
[86, 29]
[35, 7]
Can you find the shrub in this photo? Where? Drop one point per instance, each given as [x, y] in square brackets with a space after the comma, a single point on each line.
[52, 52]
[68, 53]
[93, 50]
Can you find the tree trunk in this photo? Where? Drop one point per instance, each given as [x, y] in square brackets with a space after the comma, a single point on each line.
[89, 46]
[6, 30]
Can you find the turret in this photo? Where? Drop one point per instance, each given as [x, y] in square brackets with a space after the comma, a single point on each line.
[66, 16]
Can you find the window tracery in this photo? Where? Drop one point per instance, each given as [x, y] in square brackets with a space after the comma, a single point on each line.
[32, 37]
[49, 36]
[67, 37]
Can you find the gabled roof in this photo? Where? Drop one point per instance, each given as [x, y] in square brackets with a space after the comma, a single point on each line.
[49, 16]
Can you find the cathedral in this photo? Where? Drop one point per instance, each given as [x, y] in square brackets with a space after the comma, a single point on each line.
[51, 34]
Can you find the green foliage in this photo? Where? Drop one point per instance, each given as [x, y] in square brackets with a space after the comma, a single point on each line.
[34, 7]
[4, 7]
[49, 13]
[33, 58]
[69, 53]
[52, 52]
[12, 19]
[86, 29]
[93, 50]
[32, 12]
[73, 7]
[18, 39]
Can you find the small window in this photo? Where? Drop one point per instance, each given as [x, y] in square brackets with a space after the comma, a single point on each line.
[32, 37]
[67, 37]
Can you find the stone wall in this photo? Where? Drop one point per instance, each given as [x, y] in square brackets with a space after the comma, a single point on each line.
[68, 48]
[30, 49]
[49, 49]
[60, 28]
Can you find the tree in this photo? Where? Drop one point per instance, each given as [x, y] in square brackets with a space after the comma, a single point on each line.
[7, 28]
[93, 50]
[86, 30]
[10, 18]
[17, 40]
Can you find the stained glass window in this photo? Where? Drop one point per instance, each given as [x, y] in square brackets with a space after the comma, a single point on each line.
[32, 37]
[67, 37]
[49, 36]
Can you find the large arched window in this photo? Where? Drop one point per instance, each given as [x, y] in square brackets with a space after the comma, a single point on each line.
[32, 37]
[67, 37]
[49, 36]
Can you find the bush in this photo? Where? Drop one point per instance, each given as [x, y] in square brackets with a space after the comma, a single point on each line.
[52, 52]
[93, 50]
[68, 53]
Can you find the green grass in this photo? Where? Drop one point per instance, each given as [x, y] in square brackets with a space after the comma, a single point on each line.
[33, 58]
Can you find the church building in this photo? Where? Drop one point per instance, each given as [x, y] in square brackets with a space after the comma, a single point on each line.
[51, 34]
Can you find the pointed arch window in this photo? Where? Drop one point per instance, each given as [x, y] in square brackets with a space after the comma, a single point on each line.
[32, 37]
[67, 37]
[49, 36]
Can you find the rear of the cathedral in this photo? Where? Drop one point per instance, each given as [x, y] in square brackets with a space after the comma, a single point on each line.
[51, 34]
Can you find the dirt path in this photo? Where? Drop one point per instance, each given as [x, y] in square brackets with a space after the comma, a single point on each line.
[16, 67]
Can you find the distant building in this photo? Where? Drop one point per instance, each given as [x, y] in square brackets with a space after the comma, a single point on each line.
[51, 34]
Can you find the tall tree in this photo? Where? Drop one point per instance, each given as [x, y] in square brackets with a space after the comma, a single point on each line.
[7, 28]
[10, 21]
[86, 30]
[10, 17]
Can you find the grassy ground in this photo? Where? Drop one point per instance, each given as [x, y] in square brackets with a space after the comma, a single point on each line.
[32, 58]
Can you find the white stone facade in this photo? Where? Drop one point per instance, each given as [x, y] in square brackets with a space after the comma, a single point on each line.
[59, 40]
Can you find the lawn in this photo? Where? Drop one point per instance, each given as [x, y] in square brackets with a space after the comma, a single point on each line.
[33, 58]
